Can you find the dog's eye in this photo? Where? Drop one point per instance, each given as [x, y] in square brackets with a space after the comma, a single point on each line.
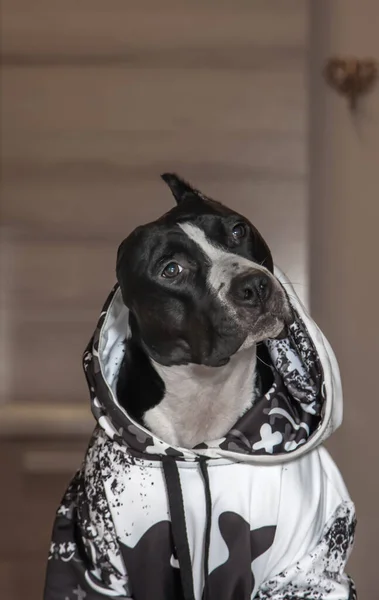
[239, 231]
[172, 270]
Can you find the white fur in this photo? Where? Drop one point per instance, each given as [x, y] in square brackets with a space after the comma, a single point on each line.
[202, 403]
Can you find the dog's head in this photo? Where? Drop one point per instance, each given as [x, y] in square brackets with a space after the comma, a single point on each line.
[199, 282]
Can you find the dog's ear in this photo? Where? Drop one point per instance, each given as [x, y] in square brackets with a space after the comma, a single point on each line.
[179, 187]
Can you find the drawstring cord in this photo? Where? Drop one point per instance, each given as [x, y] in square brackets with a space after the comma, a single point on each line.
[208, 521]
[178, 524]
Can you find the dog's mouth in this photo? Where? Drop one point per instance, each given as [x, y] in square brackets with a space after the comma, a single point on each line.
[267, 319]
[268, 325]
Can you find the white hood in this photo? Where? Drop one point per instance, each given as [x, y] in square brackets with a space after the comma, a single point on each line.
[302, 408]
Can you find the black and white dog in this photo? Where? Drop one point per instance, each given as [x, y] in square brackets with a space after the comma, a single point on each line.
[205, 477]
[200, 287]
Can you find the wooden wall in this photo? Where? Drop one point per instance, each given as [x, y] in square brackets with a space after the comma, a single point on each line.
[99, 98]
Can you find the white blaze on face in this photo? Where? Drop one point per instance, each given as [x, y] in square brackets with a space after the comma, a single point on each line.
[224, 265]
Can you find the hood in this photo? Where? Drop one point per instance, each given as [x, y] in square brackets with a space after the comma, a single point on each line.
[302, 407]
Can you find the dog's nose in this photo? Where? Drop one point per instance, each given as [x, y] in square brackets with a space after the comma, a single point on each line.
[251, 289]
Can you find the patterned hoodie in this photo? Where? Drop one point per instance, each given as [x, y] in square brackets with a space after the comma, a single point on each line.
[261, 513]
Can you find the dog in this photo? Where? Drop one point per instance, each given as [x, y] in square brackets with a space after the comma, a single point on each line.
[201, 292]
[213, 391]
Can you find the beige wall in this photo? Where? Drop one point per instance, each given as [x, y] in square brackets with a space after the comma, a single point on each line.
[344, 216]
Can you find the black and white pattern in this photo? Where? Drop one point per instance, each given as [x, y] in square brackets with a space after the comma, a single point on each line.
[84, 515]
[320, 575]
[95, 552]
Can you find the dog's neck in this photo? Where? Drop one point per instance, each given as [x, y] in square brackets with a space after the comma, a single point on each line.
[202, 403]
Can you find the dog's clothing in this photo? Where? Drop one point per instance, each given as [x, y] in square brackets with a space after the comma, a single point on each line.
[262, 513]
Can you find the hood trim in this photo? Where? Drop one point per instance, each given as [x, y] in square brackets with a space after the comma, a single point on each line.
[332, 410]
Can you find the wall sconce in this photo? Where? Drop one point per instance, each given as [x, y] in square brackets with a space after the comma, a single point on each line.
[351, 77]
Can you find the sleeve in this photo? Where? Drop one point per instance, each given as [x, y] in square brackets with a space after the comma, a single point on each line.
[84, 561]
[319, 574]
[315, 534]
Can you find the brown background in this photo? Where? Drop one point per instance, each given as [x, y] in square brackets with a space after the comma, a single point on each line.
[344, 274]
[97, 100]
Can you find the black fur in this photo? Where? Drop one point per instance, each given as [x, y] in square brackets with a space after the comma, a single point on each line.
[139, 387]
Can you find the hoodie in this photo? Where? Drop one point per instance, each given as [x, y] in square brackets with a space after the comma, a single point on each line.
[261, 513]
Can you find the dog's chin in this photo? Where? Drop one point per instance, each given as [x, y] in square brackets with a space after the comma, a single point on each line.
[267, 326]
[216, 362]
[245, 336]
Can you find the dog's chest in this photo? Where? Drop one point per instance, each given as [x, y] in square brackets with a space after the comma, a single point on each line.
[201, 404]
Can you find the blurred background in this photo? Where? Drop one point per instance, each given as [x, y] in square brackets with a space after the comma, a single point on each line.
[97, 99]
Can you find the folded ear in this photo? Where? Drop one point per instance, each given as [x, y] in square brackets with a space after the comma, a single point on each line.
[179, 187]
